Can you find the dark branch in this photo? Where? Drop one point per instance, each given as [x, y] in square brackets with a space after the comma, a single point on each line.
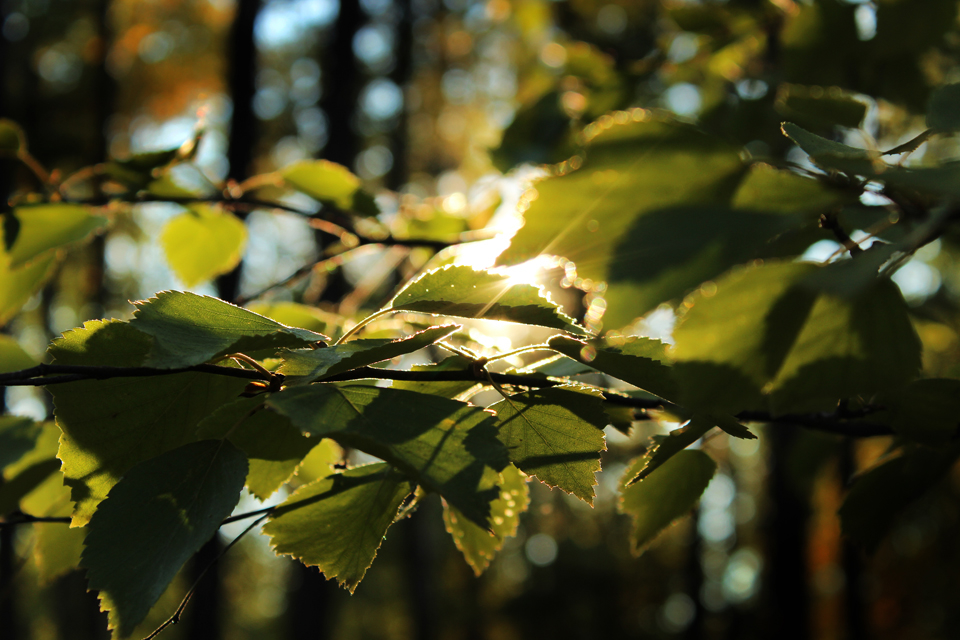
[343, 219]
[61, 373]
[838, 422]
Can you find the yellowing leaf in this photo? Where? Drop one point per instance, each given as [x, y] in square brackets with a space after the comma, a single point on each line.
[35, 229]
[203, 243]
[18, 284]
[330, 183]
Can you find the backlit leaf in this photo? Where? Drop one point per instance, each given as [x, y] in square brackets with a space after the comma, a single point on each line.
[338, 523]
[305, 365]
[272, 445]
[452, 389]
[555, 434]
[191, 329]
[111, 425]
[302, 316]
[330, 183]
[33, 466]
[17, 485]
[12, 355]
[655, 210]
[203, 243]
[17, 285]
[480, 546]
[464, 292]
[449, 447]
[56, 547]
[639, 361]
[159, 514]
[40, 228]
[665, 496]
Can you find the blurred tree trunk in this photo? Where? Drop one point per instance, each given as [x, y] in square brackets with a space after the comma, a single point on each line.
[787, 609]
[402, 73]
[854, 606]
[242, 74]
[343, 79]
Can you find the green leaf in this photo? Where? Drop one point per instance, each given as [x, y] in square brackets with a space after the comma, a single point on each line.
[943, 111]
[665, 447]
[18, 284]
[445, 389]
[768, 189]
[925, 411]
[449, 447]
[157, 516]
[555, 434]
[12, 138]
[298, 315]
[819, 107]
[662, 498]
[137, 171]
[305, 366]
[880, 495]
[111, 425]
[272, 445]
[44, 227]
[639, 361]
[480, 546]
[338, 523]
[777, 331]
[12, 355]
[330, 183]
[833, 155]
[191, 329]
[467, 293]
[651, 212]
[203, 243]
[17, 437]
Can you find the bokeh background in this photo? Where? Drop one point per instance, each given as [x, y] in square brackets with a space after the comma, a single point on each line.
[445, 108]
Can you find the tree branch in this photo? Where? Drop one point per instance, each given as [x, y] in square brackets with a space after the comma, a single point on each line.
[61, 373]
[838, 422]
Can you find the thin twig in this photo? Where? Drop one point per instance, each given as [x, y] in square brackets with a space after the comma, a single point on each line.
[61, 373]
[175, 618]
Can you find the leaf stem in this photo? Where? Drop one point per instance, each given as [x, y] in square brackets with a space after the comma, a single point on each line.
[175, 618]
[360, 325]
[509, 354]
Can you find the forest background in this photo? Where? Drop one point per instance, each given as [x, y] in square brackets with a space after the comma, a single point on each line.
[445, 111]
